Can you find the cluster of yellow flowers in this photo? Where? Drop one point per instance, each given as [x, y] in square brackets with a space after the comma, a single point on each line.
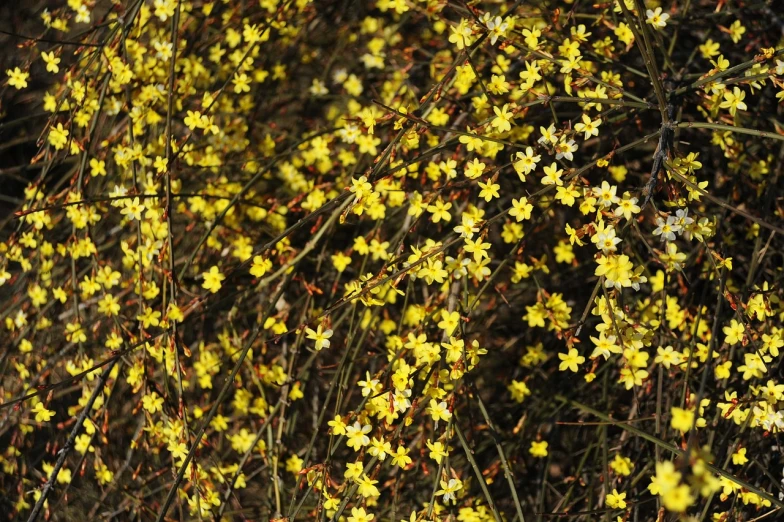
[281, 259]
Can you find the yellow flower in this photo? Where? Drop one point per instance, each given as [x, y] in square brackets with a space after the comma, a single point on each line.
[133, 209]
[665, 479]
[622, 465]
[149, 318]
[538, 449]
[82, 444]
[400, 458]
[357, 435]
[461, 34]
[260, 266]
[678, 499]
[109, 305]
[379, 448]
[340, 261]
[103, 474]
[624, 34]
[502, 119]
[682, 420]
[360, 515]
[75, 333]
[525, 163]
[440, 211]
[739, 458]
[519, 390]
[97, 167]
[51, 62]
[367, 487]
[489, 190]
[437, 450]
[449, 321]
[212, 279]
[448, 489]
[656, 18]
[734, 100]
[605, 346]
[668, 357]
[152, 402]
[58, 136]
[353, 470]
[41, 413]
[174, 313]
[337, 425]
[241, 83]
[588, 127]
[320, 335]
[521, 209]
[160, 164]
[64, 477]
[193, 120]
[570, 360]
[294, 464]
[616, 500]
[734, 332]
[617, 270]
[723, 371]
[17, 78]
[439, 410]
[566, 195]
[474, 169]
[552, 175]
[242, 441]
[563, 252]
[709, 49]
[177, 449]
[736, 31]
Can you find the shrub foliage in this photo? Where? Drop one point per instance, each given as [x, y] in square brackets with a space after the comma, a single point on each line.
[408, 260]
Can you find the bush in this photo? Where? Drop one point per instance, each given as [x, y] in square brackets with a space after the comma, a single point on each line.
[393, 260]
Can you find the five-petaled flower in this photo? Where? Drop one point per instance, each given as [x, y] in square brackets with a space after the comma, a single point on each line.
[17, 78]
[570, 360]
[320, 335]
[213, 279]
[656, 18]
[42, 414]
